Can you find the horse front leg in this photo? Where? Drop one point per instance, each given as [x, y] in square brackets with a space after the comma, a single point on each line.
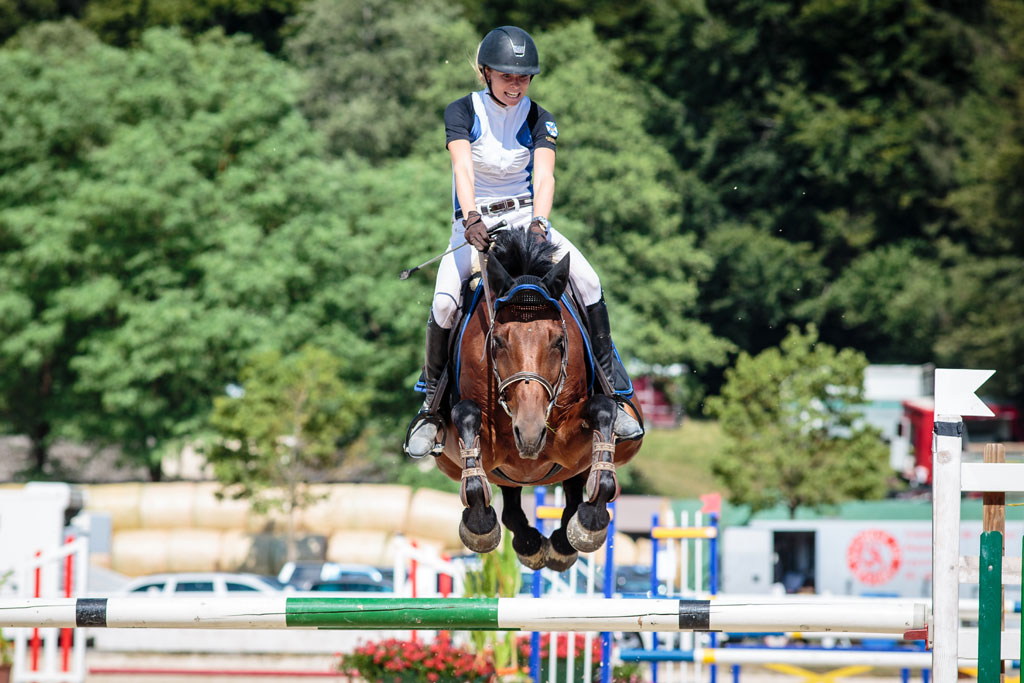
[588, 528]
[530, 545]
[562, 554]
[479, 528]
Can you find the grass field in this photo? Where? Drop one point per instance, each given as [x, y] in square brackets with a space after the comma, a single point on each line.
[677, 462]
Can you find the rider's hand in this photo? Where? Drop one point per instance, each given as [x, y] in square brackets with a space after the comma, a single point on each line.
[476, 231]
[540, 228]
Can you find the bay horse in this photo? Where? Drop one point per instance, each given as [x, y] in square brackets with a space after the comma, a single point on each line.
[523, 414]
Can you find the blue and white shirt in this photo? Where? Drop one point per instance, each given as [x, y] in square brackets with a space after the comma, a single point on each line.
[502, 141]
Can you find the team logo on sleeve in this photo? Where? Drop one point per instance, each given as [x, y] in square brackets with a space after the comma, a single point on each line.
[552, 128]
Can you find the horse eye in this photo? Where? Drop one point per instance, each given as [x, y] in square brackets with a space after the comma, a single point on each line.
[500, 342]
[558, 343]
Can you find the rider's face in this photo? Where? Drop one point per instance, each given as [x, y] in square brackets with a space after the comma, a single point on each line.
[508, 89]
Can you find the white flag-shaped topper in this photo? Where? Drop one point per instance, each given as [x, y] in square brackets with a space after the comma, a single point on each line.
[955, 392]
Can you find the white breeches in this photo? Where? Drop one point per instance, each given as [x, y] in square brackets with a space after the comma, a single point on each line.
[458, 265]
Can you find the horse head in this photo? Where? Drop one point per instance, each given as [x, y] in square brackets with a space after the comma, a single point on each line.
[528, 344]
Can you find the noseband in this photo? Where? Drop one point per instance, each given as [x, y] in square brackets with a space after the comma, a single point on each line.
[536, 299]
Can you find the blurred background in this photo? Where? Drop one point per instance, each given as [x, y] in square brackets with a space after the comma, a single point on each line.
[204, 208]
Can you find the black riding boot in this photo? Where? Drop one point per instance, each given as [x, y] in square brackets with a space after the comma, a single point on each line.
[626, 427]
[421, 437]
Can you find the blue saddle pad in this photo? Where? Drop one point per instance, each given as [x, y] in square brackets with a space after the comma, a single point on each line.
[568, 305]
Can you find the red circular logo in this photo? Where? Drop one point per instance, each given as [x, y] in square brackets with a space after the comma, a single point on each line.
[873, 556]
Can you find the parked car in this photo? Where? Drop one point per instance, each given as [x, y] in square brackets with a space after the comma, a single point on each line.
[301, 576]
[634, 581]
[219, 584]
[352, 584]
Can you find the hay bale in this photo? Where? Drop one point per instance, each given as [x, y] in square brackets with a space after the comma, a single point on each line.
[136, 552]
[625, 550]
[643, 551]
[167, 505]
[120, 500]
[210, 513]
[434, 515]
[194, 550]
[378, 507]
[361, 546]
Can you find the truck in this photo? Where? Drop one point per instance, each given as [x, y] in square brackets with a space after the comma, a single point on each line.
[910, 451]
[849, 554]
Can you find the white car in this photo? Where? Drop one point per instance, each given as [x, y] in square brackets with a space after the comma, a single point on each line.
[202, 584]
[300, 576]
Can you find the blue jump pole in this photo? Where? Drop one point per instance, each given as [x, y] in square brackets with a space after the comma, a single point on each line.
[713, 580]
[539, 494]
[609, 586]
[654, 590]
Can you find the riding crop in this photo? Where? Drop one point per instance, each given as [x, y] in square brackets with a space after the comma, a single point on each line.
[404, 275]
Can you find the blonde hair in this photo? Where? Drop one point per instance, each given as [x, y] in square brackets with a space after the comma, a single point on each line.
[478, 68]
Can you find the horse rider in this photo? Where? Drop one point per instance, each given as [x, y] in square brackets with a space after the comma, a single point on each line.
[502, 148]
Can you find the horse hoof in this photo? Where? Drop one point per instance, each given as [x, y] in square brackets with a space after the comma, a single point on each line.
[583, 540]
[558, 562]
[480, 543]
[538, 560]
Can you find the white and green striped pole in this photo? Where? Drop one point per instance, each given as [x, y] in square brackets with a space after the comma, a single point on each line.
[509, 614]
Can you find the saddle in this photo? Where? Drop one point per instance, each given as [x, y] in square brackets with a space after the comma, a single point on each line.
[472, 295]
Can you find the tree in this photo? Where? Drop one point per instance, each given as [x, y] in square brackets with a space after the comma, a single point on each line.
[893, 300]
[144, 199]
[794, 434]
[986, 308]
[285, 423]
[123, 22]
[381, 72]
[756, 284]
[620, 207]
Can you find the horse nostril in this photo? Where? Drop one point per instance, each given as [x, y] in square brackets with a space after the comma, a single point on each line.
[519, 437]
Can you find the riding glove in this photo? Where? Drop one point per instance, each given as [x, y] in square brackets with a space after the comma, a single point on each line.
[540, 228]
[476, 231]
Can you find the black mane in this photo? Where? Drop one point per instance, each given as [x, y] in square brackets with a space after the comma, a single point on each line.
[520, 253]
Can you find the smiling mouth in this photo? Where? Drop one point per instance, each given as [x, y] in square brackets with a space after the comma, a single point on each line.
[512, 95]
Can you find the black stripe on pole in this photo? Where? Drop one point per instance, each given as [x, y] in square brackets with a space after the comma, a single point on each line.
[948, 429]
[695, 615]
[91, 612]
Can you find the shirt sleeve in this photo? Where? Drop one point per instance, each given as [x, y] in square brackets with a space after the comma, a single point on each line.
[545, 132]
[458, 120]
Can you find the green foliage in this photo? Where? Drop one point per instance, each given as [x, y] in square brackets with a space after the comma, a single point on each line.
[831, 128]
[143, 197]
[729, 168]
[619, 207]
[891, 299]
[289, 421]
[123, 22]
[758, 280]
[793, 431]
[381, 72]
[15, 14]
[986, 308]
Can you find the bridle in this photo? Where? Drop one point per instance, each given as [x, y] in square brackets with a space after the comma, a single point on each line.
[536, 303]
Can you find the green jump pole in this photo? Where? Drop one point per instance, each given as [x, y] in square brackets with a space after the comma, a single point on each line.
[408, 613]
[990, 607]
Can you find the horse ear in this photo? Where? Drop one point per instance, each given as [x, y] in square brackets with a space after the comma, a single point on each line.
[497, 277]
[557, 278]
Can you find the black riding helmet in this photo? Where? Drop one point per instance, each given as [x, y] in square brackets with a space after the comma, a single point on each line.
[509, 49]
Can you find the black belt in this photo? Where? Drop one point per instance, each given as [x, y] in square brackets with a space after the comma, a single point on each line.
[501, 206]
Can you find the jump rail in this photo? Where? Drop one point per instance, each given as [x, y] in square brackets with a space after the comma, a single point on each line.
[511, 614]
